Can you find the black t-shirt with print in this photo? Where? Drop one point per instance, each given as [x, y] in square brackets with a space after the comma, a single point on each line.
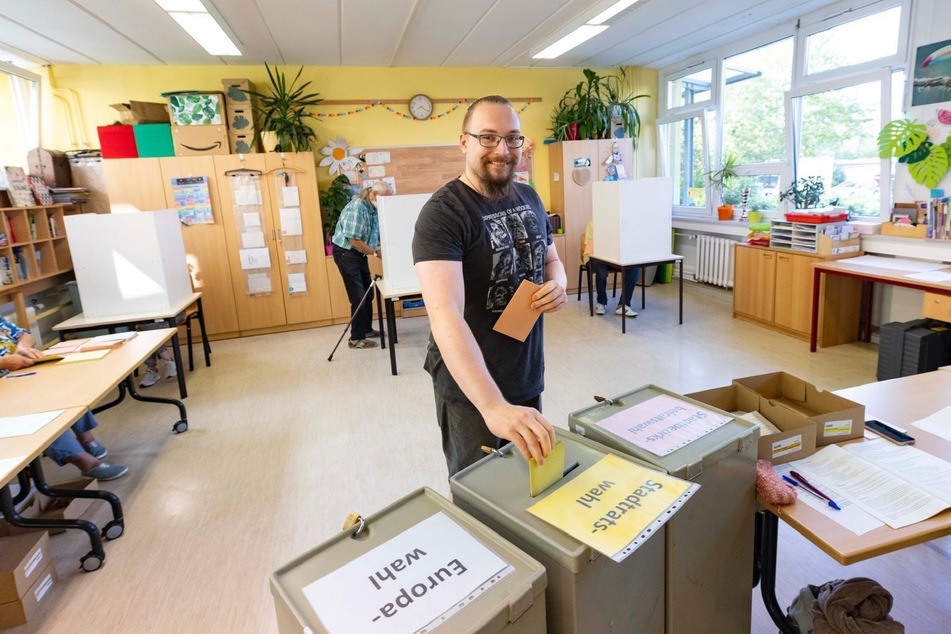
[498, 245]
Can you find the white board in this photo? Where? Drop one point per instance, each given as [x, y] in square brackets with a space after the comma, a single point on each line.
[398, 216]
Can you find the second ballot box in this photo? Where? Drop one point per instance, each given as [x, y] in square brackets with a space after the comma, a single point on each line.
[587, 591]
[710, 541]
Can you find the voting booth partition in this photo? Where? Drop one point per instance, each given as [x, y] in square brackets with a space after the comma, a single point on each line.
[587, 591]
[709, 560]
[397, 215]
[632, 219]
[420, 564]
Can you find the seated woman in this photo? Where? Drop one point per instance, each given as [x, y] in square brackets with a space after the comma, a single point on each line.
[78, 447]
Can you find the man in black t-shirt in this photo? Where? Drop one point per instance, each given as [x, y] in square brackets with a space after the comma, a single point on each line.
[476, 239]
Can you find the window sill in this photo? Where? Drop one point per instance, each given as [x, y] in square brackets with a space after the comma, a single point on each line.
[710, 225]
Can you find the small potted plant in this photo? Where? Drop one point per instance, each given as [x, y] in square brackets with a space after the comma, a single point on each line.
[804, 193]
[332, 201]
[284, 111]
[722, 178]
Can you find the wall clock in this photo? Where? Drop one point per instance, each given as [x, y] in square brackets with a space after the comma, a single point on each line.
[421, 107]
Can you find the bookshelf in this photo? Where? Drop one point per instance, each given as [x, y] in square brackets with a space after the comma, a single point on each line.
[33, 245]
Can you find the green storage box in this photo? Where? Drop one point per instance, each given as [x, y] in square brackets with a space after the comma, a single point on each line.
[153, 139]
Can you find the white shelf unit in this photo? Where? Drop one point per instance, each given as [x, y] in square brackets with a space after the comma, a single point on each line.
[798, 236]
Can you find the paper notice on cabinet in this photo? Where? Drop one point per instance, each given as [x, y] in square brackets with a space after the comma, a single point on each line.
[291, 196]
[296, 283]
[377, 158]
[376, 171]
[247, 196]
[259, 283]
[252, 219]
[392, 181]
[290, 221]
[252, 240]
[254, 259]
[295, 257]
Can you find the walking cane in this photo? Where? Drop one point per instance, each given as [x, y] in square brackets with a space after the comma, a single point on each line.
[354, 315]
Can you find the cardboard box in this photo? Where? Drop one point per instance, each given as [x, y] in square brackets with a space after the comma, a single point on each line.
[22, 559]
[196, 108]
[199, 140]
[905, 231]
[243, 143]
[153, 140]
[798, 437]
[141, 112]
[66, 508]
[23, 609]
[240, 119]
[236, 91]
[827, 246]
[835, 418]
[117, 141]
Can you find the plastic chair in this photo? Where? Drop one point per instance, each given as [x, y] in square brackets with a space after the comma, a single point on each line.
[584, 267]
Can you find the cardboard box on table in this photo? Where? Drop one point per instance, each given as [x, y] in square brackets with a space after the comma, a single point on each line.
[27, 572]
[190, 108]
[117, 141]
[200, 140]
[514, 604]
[153, 140]
[138, 112]
[587, 592]
[243, 143]
[710, 540]
[237, 92]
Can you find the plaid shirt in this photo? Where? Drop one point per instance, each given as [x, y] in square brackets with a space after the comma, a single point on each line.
[9, 335]
[358, 220]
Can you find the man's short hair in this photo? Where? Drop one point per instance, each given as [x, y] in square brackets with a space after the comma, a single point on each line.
[497, 99]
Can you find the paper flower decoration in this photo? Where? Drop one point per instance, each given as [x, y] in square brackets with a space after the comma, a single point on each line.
[338, 156]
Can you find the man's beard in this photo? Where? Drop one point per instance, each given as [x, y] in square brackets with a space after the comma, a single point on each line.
[496, 188]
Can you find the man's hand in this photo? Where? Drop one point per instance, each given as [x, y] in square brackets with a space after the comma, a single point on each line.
[29, 352]
[550, 297]
[15, 362]
[523, 426]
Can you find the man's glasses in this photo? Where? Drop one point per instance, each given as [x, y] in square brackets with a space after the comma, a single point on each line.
[512, 141]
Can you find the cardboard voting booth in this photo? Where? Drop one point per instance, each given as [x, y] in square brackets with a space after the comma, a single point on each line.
[127, 264]
[632, 219]
[398, 216]
[587, 591]
[418, 565]
[710, 541]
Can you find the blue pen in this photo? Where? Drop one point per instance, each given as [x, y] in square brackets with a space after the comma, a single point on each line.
[15, 376]
[805, 488]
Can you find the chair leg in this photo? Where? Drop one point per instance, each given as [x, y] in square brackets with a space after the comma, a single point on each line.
[188, 338]
[581, 270]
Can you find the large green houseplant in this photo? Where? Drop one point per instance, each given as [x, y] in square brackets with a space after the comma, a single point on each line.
[587, 110]
[284, 111]
[332, 201]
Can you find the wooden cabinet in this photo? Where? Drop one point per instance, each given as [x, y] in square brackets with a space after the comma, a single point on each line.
[936, 306]
[773, 287]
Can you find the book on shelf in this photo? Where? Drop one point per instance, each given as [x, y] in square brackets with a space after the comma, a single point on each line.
[6, 273]
[18, 187]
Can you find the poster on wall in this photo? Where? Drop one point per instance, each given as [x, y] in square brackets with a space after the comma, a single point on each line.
[193, 200]
[932, 83]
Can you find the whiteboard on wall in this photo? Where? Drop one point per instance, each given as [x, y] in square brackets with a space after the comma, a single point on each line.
[398, 216]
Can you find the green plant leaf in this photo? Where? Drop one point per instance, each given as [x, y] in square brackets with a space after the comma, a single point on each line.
[919, 154]
[931, 170]
[901, 137]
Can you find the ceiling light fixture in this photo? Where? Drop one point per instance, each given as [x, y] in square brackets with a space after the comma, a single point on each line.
[611, 11]
[200, 25]
[578, 36]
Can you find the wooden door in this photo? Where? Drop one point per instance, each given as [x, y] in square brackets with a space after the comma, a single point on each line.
[136, 182]
[573, 186]
[794, 291]
[205, 245]
[754, 290]
[312, 304]
[260, 309]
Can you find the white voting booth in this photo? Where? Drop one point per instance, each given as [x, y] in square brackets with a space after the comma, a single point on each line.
[632, 219]
[397, 215]
[128, 263]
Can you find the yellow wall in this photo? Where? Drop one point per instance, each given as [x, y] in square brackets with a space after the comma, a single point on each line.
[92, 88]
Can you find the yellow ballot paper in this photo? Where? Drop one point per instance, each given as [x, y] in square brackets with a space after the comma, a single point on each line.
[540, 478]
[614, 506]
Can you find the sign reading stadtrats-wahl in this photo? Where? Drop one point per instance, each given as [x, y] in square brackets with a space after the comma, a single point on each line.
[416, 580]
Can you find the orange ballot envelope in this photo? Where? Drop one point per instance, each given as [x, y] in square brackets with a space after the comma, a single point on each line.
[518, 318]
[614, 506]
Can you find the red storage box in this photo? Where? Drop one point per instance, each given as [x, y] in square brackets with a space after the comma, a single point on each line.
[117, 141]
[818, 219]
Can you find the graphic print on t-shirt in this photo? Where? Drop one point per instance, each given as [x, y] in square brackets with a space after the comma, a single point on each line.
[518, 252]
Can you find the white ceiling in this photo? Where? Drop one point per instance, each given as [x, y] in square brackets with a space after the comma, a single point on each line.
[505, 33]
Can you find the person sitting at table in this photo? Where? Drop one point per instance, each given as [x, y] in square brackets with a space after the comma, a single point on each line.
[600, 271]
[78, 447]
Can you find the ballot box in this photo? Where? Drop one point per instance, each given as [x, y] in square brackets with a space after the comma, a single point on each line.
[587, 591]
[420, 564]
[710, 541]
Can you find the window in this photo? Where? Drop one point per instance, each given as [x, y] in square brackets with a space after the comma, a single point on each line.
[685, 147]
[690, 89]
[20, 110]
[862, 40]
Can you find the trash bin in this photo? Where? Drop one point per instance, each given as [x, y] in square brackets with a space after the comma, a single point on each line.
[710, 541]
[587, 592]
[392, 573]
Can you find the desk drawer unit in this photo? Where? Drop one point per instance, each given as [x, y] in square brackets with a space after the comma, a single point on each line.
[937, 306]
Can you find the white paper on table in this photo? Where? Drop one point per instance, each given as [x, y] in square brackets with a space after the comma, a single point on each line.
[7, 464]
[851, 516]
[27, 424]
[252, 239]
[443, 566]
[247, 196]
[898, 264]
[290, 221]
[291, 196]
[296, 283]
[930, 276]
[295, 257]
[938, 423]
[376, 171]
[254, 259]
[252, 219]
[377, 158]
[915, 466]
[259, 283]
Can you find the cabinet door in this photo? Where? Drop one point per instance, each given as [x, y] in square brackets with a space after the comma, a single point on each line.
[205, 245]
[136, 182]
[575, 187]
[794, 291]
[754, 288]
[261, 310]
[312, 304]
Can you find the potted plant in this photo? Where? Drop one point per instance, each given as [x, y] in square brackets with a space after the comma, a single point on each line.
[332, 201]
[591, 106]
[284, 112]
[721, 178]
[804, 193]
[620, 106]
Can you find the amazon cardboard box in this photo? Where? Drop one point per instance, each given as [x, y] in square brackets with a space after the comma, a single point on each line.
[23, 609]
[796, 437]
[834, 418]
[199, 140]
[22, 559]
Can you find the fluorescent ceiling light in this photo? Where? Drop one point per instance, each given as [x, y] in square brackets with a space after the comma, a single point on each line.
[192, 16]
[578, 36]
[611, 11]
[194, 6]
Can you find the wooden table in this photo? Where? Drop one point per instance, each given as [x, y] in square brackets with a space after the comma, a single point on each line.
[626, 267]
[867, 275]
[900, 402]
[172, 317]
[385, 298]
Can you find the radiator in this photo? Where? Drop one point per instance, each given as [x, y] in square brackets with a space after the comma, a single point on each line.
[715, 261]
